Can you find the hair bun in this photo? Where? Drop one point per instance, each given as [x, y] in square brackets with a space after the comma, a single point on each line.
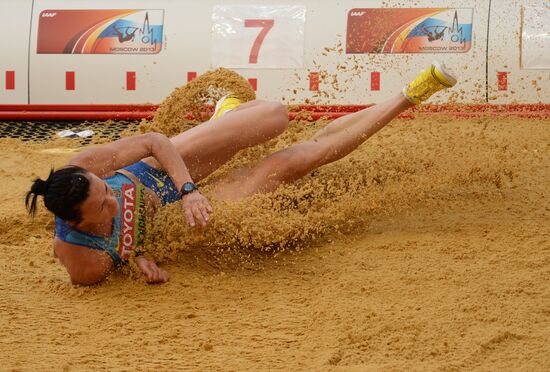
[39, 187]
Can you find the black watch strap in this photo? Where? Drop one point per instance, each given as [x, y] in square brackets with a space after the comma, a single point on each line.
[187, 188]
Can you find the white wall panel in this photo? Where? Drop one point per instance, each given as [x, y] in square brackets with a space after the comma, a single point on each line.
[523, 85]
[326, 27]
[345, 78]
[15, 18]
[101, 78]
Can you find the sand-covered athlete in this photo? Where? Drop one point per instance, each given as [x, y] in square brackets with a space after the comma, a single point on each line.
[104, 196]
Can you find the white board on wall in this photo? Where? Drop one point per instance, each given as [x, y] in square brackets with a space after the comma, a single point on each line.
[15, 18]
[258, 36]
[508, 81]
[535, 38]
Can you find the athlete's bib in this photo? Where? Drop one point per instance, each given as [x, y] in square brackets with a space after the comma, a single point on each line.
[133, 220]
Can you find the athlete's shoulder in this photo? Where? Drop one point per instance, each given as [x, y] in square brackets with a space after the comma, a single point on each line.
[85, 265]
[75, 252]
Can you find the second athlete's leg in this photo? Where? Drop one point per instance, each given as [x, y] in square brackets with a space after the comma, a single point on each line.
[208, 146]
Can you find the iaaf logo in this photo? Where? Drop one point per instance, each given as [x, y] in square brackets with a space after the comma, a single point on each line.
[357, 14]
[48, 15]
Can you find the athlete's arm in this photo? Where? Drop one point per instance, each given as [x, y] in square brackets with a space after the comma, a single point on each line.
[89, 267]
[85, 266]
[104, 160]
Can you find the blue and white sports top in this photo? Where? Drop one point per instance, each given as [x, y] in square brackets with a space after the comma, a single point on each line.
[128, 226]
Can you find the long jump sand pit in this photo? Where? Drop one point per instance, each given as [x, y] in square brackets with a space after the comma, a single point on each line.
[426, 249]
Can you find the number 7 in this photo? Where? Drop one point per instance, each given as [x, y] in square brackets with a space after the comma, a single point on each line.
[266, 25]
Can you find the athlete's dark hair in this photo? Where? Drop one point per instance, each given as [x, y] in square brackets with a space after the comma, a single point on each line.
[63, 192]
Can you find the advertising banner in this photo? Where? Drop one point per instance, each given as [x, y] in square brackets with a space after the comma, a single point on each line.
[249, 36]
[409, 30]
[535, 38]
[100, 31]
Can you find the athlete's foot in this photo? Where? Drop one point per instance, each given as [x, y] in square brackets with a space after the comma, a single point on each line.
[225, 105]
[428, 82]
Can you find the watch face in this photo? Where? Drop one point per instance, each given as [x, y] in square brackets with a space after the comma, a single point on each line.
[188, 187]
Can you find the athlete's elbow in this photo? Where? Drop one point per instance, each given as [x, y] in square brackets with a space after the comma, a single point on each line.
[156, 142]
[84, 281]
[155, 138]
[89, 276]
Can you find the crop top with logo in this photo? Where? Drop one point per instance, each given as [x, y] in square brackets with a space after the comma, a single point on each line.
[129, 225]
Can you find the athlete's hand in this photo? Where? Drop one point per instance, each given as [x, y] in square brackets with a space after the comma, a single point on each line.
[151, 272]
[196, 208]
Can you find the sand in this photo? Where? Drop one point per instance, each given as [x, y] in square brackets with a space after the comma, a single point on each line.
[197, 98]
[427, 249]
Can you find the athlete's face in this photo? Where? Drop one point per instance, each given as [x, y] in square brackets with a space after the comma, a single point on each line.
[101, 204]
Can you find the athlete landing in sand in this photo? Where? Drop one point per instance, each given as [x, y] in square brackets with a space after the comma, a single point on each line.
[102, 198]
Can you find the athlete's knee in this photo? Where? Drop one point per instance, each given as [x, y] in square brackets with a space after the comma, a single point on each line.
[317, 153]
[277, 114]
[297, 161]
[279, 110]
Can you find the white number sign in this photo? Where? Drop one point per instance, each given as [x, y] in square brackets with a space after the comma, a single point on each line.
[252, 36]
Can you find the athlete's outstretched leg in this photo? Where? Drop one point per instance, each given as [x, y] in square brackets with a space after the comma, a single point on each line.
[333, 142]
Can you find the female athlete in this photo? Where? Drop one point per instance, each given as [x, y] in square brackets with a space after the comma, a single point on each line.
[103, 196]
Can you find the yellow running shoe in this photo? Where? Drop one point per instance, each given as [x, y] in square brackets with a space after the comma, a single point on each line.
[224, 105]
[428, 82]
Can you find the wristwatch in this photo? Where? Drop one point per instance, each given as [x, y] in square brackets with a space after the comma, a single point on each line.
[187, 188]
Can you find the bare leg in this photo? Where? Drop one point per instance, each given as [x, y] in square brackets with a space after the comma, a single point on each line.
[208, 146]
[331, 143]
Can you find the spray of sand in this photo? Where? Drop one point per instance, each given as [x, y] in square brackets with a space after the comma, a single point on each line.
[404, 166]
[446, 263]
[186, 105]
[378, 178]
